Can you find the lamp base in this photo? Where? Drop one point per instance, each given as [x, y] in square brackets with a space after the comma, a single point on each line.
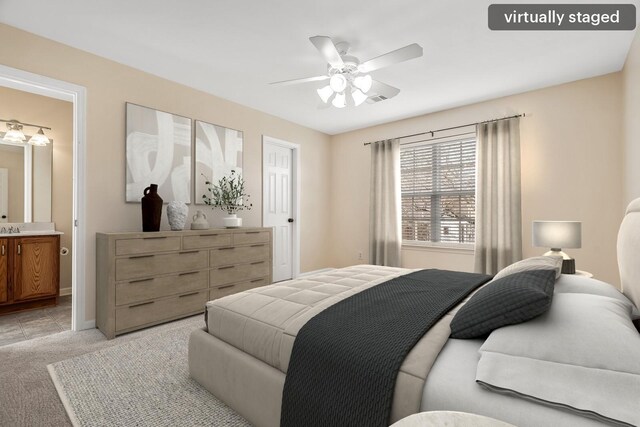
[557, 252]
[569, 266]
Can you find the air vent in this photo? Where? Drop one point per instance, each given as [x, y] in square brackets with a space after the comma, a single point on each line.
[376, 98]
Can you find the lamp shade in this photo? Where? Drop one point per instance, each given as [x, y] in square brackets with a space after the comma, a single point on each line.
[325, 93]
[39, 139]
[557, 234]
[14, 132]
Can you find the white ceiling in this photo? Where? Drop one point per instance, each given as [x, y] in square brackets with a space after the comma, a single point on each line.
[234, 48]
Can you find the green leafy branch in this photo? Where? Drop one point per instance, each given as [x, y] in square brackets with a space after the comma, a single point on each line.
[228, 194]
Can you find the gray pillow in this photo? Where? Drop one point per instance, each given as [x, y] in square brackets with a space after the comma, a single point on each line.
[582, 355]
[512, 299]
[534, 263]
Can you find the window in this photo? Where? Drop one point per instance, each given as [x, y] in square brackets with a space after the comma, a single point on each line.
[438, 192]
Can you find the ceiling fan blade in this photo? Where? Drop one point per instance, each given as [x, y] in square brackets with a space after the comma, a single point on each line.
[383, 90]
[399, 55]
[296, 81]
[326, 47]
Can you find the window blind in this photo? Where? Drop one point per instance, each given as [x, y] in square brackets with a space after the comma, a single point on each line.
[438, 191]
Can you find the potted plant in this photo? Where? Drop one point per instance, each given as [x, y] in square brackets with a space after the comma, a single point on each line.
[229, 195]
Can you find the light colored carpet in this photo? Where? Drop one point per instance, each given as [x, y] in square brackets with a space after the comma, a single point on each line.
[144, 382]
[28, 397]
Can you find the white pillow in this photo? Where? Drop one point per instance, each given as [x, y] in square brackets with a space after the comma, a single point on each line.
[534, 263]
[583, 355]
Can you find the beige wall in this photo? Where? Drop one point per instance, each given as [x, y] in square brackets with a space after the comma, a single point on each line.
[12, 159]
[571, 156]
[631, 89]
[58, 115]
[109, 85]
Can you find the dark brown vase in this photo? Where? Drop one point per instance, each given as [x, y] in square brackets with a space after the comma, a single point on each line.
[151, 209]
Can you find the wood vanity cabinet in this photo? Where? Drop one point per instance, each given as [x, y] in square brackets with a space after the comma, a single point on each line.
[4, 271]
[29, 272]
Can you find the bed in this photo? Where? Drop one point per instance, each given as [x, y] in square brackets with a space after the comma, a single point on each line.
[243, 354]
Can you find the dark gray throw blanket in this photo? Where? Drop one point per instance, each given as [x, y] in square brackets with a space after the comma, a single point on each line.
[345, 360]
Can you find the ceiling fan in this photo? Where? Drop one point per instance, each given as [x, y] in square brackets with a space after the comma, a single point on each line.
[347, 75]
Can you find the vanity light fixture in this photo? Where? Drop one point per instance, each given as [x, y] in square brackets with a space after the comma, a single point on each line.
[14, 132]
[15, 135]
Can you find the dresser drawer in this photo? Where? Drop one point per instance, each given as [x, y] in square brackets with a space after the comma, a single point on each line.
[146, 289]
[208, 240]
[247, 237]
[238, 273]
[225, 290]
[163, 309]
[237, 254]
[146, 245]
[153, 265]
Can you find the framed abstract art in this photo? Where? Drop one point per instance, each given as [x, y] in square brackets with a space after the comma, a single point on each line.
[218, 152]
[158, 151]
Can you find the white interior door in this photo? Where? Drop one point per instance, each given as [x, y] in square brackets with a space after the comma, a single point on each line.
[277, 195]
[4, 195]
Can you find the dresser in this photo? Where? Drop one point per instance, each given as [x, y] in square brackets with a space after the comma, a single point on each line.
[143, 279]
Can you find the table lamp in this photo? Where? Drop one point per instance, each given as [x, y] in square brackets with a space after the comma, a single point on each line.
[558, 235]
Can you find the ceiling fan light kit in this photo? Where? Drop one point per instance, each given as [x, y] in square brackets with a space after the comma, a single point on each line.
[358, 97]
[339, 101]
[325, 93]
[363, 82]
[347, 75]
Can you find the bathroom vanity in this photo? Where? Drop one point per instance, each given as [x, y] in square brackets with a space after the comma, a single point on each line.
[29, 270]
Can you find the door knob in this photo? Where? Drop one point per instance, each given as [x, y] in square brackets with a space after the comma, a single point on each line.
[290, 220]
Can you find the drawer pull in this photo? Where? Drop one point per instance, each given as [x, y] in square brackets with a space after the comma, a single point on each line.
[141, 256]
[225, 249]
[227, 267]
[2, 250]
[141, 304]
[187, 252]
[141, 280]
[257, 262]
[226, 287]
[256, 280]
[208, 235]
[154, 238]
[188, 273]
[188, 295]
[251, 232]
[257, 246]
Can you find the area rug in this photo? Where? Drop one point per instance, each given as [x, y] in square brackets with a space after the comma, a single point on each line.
[144, 382]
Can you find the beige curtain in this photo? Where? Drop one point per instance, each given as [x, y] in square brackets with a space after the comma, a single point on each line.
[385, 238]
[498, 211]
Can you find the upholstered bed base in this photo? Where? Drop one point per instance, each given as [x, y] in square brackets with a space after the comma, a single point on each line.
[254, 389]
[251, 387]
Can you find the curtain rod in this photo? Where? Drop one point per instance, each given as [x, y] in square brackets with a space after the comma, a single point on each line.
[454, 127]
[437, 138]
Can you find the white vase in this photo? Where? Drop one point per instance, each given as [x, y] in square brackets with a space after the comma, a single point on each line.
[177, 215]
[199, 221]
[232, 221]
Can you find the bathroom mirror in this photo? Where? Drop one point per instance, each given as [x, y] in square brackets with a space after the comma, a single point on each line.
[25, 182]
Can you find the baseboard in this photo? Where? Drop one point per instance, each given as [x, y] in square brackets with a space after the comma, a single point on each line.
[88, 324]
[65, 291]
[310, 273]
